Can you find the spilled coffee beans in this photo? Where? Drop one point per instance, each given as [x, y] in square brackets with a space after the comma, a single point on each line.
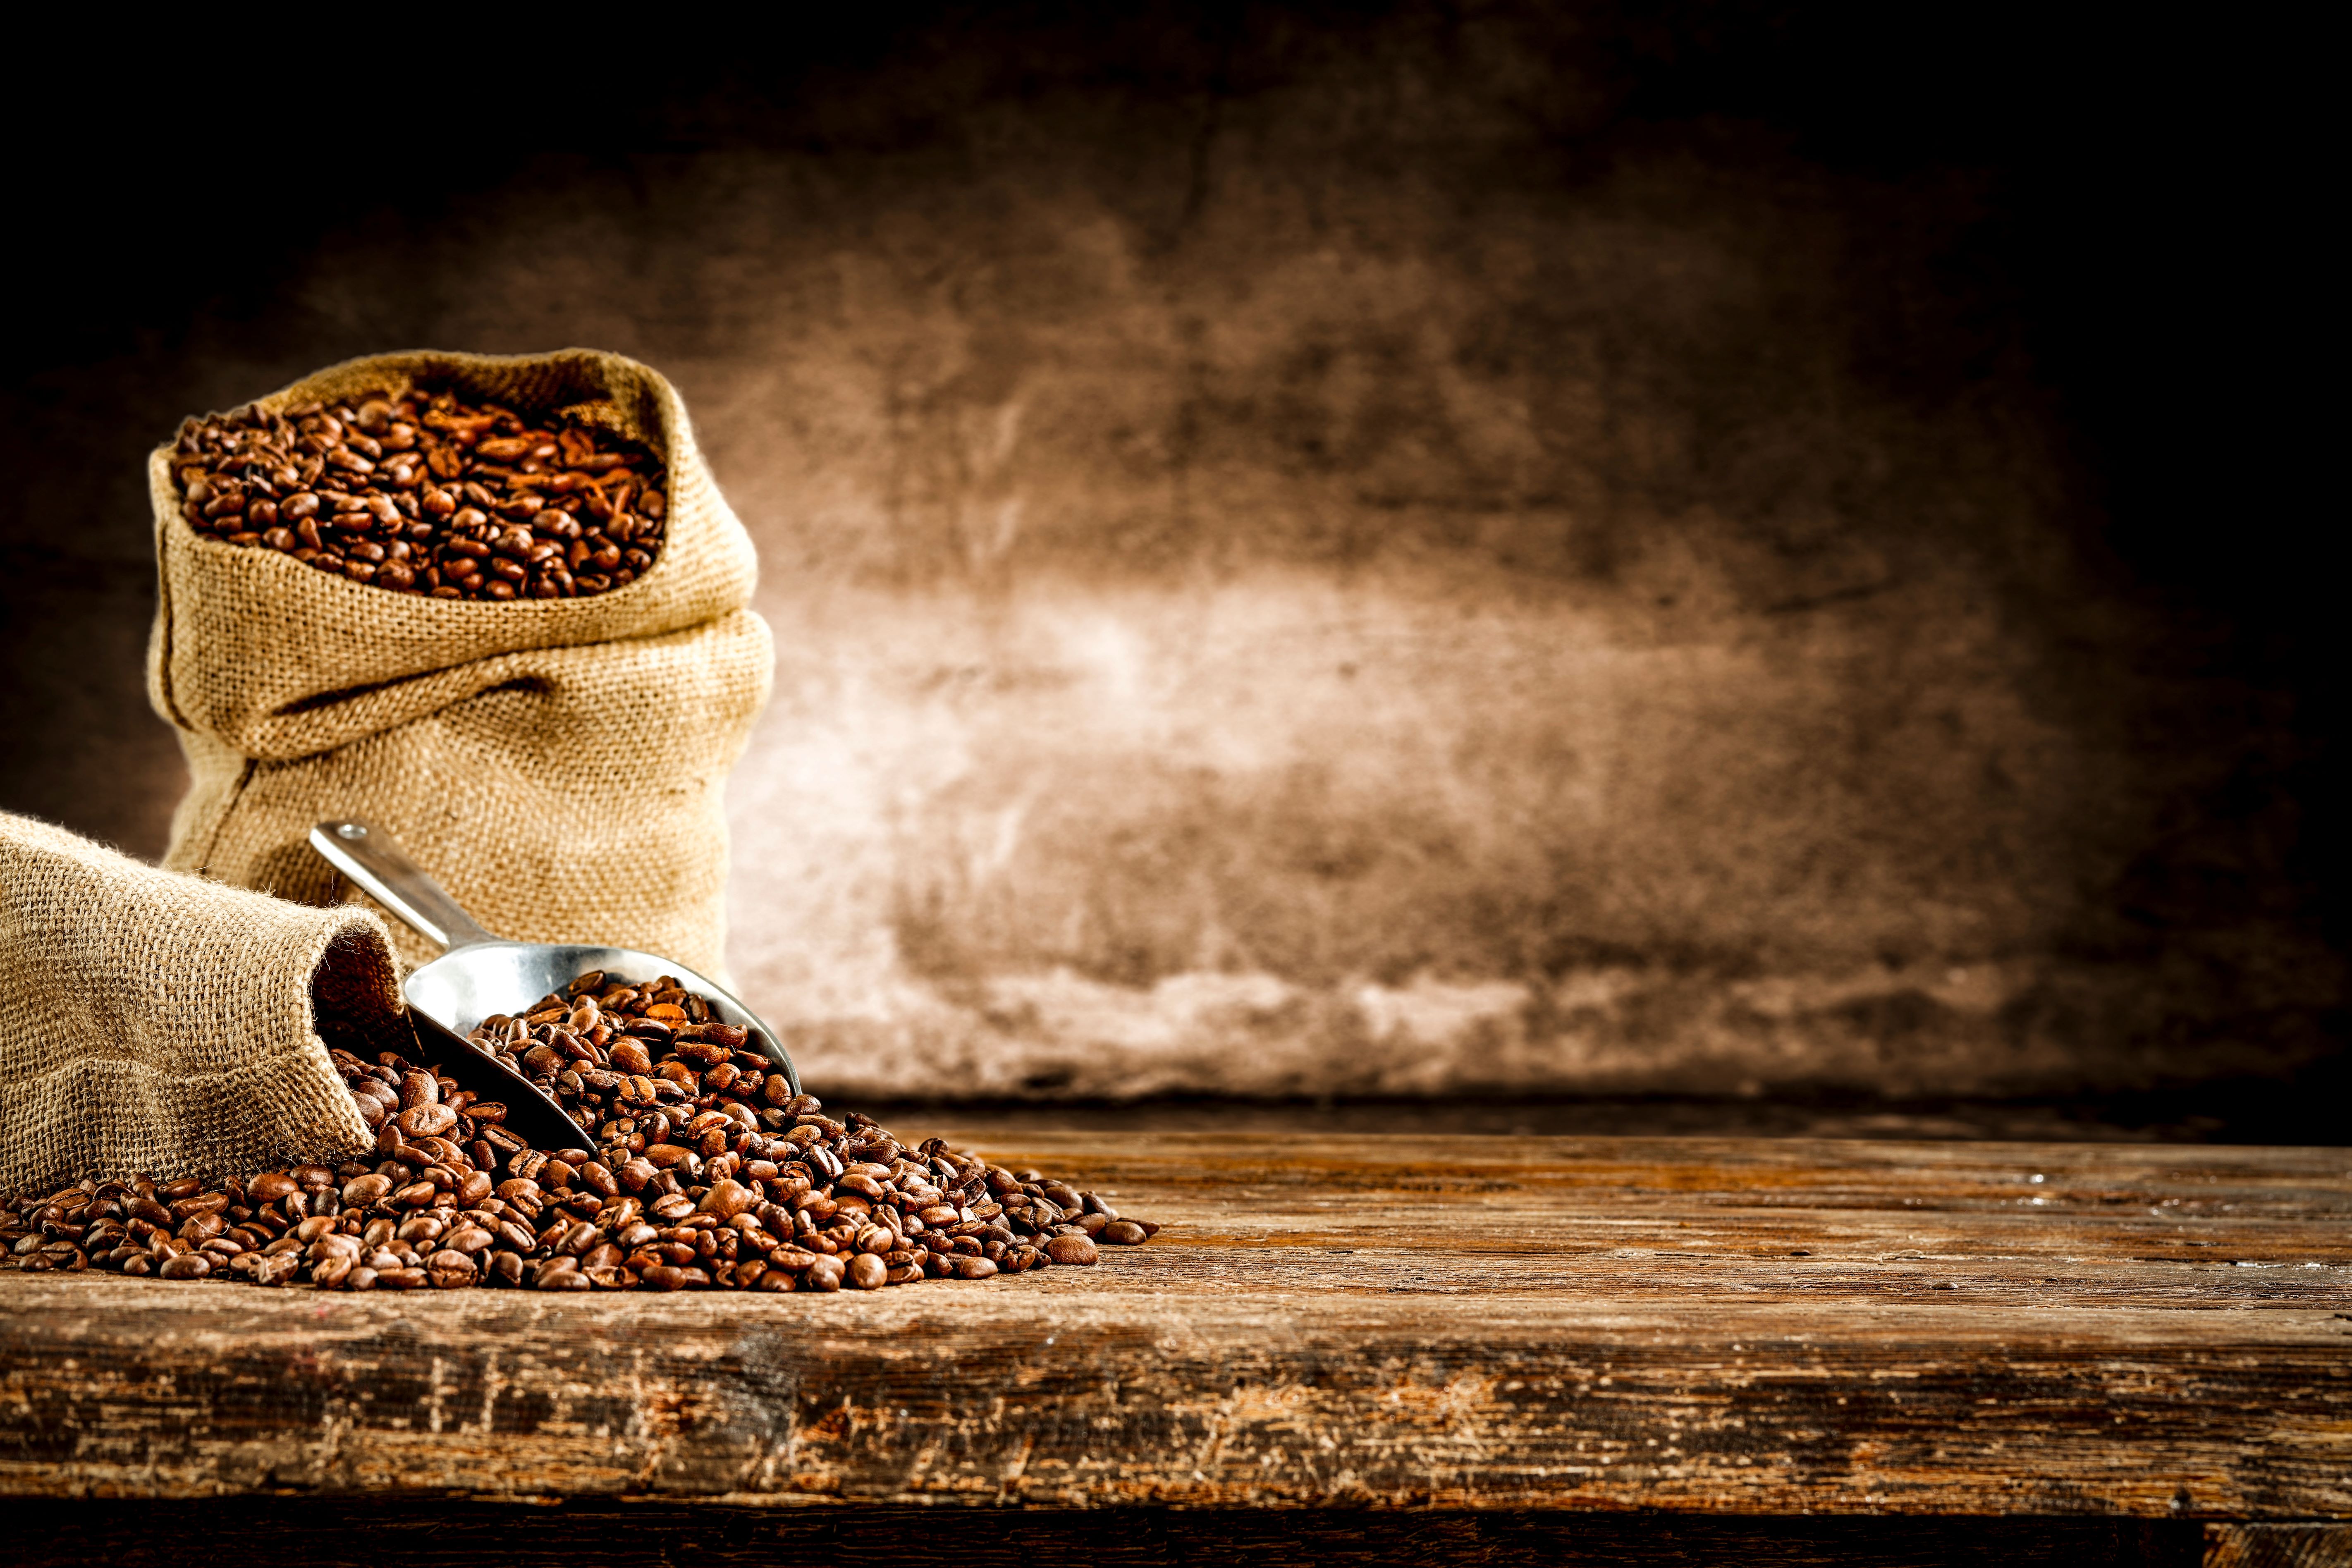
[677, 1094]
[420, 492]
[710, 1174]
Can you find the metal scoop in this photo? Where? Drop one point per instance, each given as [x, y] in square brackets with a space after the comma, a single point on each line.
[481, 974]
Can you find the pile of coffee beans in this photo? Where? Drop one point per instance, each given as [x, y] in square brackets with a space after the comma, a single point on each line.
[712, 1174]
[421, 491]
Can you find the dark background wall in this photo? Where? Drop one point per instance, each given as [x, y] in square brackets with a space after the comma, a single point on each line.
[1721, 548]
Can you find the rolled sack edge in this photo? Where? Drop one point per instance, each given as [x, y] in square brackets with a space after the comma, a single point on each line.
[286, 979]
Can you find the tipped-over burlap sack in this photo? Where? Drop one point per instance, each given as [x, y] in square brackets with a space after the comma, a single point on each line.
[557, 763]
[156, 1023]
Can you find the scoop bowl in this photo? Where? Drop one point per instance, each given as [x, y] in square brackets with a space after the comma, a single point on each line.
[481, 974]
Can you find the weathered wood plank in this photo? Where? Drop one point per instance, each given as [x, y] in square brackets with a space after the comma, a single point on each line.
[1711, 1326]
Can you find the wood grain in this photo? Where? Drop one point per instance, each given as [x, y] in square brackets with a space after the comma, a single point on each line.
[1710, 1326]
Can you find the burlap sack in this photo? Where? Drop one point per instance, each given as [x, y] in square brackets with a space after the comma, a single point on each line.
[156, 1023]
[557, 763]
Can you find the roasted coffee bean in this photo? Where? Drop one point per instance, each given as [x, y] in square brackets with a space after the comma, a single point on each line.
[361, 1191]
[588, 497]
[450, 1268]
[271, 1185]
[751, 1188]
[268, 1268]
[428, 1121]
[1079, 1248]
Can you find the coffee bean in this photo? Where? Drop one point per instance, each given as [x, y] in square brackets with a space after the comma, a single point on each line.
[450, 1268]
[272, 1186]
[247, 478]
[423, 1228]
[1072, 1249]
[728, 1198]
[271, 1269]
[366, 1190]
[749, 1188]
[426, 1121]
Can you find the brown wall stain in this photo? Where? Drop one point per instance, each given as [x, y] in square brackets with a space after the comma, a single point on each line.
[1328, 587]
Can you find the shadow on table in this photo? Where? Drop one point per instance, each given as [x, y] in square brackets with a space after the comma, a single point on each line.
[2301, 1112]
[330, 1532]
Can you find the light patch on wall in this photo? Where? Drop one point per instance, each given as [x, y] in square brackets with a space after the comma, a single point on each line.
[1340, 595]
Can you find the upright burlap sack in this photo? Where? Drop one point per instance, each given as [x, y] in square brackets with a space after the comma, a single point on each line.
[557, 763]
[156, 1023]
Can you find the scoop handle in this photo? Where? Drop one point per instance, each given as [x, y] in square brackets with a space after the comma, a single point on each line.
[374, 858]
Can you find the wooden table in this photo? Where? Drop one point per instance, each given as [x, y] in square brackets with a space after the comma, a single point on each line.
[1473, 1347]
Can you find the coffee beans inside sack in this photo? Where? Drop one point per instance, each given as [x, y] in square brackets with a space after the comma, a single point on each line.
[521, 640]
[419, 491]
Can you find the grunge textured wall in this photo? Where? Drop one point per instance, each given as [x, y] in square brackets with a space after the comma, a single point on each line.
[1426, 550]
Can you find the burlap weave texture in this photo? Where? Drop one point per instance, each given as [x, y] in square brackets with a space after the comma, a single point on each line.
[164, 1024]
[557, 763]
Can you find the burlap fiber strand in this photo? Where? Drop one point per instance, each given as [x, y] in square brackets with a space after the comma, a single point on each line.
[151, 1022]
[556, 763]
